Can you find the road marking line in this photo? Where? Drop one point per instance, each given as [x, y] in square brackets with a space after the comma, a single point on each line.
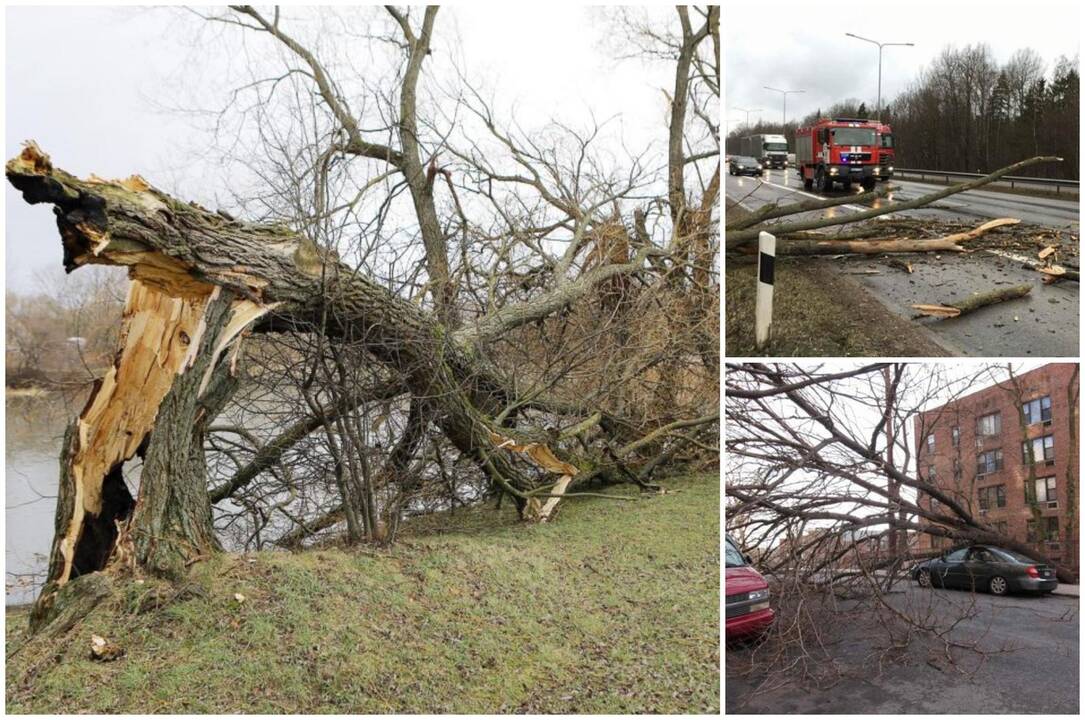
[859, 208]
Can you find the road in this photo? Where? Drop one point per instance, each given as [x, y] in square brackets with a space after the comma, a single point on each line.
[1032, 666]
[1043, 324]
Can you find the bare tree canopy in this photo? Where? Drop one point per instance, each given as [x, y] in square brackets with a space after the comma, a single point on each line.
[543, 324]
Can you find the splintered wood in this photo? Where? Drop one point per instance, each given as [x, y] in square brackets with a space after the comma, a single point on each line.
[545, 458]
[159, 338]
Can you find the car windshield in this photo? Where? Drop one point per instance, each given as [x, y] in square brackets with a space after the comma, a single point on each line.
[744, 159]
[1012, 556]
[734, 556]
[776, 146]
[887, 141]
[853, 136]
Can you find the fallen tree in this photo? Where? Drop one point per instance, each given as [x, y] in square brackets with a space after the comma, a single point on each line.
[200, 282]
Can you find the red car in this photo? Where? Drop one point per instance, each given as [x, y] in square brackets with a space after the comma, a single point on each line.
[748, 611]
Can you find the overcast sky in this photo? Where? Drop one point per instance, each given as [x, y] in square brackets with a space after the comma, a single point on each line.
[90, 99]
[802, 46]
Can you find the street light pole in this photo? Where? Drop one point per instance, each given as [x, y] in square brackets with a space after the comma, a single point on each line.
[785, 93]
[747, 114]
[880, 45]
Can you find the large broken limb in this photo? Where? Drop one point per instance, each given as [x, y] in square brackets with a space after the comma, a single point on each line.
[742, 237]
[878, 246]
[775, 210]
[974, 302]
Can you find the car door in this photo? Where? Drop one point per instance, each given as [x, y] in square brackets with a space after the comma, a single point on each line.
[978, 566]
[952, 569]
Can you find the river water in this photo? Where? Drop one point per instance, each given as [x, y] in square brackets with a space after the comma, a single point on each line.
[34, 430]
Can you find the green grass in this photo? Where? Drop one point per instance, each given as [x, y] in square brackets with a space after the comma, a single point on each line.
[817, 313]
[613, 607]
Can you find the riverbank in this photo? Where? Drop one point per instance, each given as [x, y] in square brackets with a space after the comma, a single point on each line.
[612, 608]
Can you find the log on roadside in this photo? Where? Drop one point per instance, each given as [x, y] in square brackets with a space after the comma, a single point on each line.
[972, 302]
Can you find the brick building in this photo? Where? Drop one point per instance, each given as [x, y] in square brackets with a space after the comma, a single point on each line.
[1008, 454]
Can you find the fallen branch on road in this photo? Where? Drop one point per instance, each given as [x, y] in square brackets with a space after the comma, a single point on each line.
[740, 237]
[878, 246]
[973, 302]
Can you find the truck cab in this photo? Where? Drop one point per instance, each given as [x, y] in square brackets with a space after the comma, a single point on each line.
[769, 150]
[838, 150]
[886, 153]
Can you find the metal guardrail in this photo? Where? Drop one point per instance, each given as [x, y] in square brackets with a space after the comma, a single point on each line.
[1011, 179]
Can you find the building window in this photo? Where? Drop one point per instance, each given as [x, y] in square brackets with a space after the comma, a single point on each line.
[1038, 410]
[1043, 491]
[989, 424]
[1038, 449]
[1044, 530]
[991, 497]
[956, 433]
[930, 443]
[931, 475]
[989, 462]
[957, 469]
[1001, 527]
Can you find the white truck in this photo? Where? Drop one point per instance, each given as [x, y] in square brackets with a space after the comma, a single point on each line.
[769, 150]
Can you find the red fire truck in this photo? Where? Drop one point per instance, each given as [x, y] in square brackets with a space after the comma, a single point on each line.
[886, 153]
[838, 150]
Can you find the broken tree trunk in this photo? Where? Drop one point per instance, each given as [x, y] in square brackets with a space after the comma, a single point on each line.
[974, 302]
[199, 280]
[878, 246]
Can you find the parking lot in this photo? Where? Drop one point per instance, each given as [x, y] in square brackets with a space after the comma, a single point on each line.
[1030, 665]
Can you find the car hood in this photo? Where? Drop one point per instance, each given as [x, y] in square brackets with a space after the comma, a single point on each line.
[742, 580]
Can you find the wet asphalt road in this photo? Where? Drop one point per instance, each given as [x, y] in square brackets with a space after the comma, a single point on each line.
[1043, 324]
[1032, 666]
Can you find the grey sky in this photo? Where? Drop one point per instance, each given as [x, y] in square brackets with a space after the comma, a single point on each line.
[799, 45]
[88, 100]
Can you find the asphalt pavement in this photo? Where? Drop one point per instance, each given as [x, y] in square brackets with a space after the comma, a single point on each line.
[1030, 665]
[1044, 324]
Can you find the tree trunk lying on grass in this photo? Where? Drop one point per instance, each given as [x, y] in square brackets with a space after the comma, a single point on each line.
[741, 237]
[200, 283]
[878, 246]
[974, 302]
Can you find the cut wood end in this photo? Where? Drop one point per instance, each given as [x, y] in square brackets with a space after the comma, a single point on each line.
[1047, 251]
[1055, 270]
[944, 311]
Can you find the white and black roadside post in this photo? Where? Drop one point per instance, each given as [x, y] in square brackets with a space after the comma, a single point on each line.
[766, 271]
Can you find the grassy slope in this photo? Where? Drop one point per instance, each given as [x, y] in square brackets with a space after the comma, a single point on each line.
[612, 608]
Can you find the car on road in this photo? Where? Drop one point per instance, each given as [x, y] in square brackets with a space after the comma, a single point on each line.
[985, 567]
[742, 165]
[748, 610]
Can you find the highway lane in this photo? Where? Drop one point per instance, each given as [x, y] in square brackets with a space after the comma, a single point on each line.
[1043, 324]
